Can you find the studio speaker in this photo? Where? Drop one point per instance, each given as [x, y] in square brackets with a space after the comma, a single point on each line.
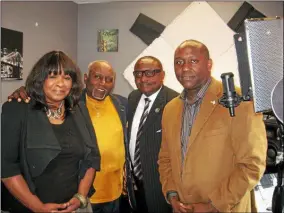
[260, 59]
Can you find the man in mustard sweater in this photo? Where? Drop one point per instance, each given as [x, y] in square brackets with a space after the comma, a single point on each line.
[108, 114]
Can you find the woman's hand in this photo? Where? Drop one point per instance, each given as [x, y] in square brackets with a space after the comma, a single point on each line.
[50, 207]
[71, 205]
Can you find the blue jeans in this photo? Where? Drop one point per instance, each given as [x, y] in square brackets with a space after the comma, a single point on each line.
[108, 207]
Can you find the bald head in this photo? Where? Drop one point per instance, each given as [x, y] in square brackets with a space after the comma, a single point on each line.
[148, 60]
[194, 44]
[99, 64]
[99, 80]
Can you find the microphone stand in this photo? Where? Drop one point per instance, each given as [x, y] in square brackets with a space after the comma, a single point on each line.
[278, 194]
[230, 100]
[237, 99]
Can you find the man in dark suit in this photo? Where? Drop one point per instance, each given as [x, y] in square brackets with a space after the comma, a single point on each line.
[145, 108]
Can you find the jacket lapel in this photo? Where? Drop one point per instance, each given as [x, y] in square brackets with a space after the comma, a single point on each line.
[120, 109]
[132, 105]
[209, 102]
[84, 124]
[41, 143]
[176, 130]
[38, 126]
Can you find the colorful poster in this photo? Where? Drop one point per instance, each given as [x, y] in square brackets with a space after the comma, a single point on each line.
[108, 40]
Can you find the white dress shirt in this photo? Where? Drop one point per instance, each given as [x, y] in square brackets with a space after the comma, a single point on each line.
[136, 121]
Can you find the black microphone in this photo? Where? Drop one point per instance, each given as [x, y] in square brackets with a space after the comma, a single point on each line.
[230, 98]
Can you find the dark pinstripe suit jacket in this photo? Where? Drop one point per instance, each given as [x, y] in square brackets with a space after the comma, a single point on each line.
[150, 147]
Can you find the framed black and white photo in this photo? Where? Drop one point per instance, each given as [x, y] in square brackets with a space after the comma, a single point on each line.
[11, 54]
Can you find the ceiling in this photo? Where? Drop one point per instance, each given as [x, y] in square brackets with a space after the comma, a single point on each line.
[90, 1]
[102, 1]
[105, 1]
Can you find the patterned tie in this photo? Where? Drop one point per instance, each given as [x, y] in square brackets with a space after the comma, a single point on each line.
[137, 162]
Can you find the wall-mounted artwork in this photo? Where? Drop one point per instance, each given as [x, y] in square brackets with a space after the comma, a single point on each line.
[11, 54]
[108, 40]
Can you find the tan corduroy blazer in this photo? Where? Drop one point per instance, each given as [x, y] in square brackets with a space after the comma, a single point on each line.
[225, 156]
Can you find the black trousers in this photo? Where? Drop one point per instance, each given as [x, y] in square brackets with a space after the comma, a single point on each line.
[108, 207]
[140, 198]
[124, 206]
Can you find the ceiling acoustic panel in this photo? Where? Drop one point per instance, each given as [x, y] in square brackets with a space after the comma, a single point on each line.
[146, 28]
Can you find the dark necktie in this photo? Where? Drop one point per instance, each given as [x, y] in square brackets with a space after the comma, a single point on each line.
[137, 162]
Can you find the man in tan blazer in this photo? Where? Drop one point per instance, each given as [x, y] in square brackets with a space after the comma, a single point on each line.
[208, 161]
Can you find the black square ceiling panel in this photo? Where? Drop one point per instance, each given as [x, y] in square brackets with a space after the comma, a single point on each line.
[246, 11]
[146, 28]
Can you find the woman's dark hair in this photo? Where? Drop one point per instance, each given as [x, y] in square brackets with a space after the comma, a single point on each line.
[54, 62]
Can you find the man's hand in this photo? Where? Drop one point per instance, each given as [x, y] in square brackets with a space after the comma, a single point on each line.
[20, 94]
[203, 207]
[177, 206]
[71, 205]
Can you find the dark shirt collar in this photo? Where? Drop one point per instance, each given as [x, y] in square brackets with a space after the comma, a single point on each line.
[199, 95]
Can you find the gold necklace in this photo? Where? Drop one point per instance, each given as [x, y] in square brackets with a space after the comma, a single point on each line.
[98, 109]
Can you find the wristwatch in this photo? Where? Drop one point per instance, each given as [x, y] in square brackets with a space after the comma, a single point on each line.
[171, 194]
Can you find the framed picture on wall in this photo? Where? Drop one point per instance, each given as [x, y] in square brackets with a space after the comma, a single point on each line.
[107, 40]
[11, 54]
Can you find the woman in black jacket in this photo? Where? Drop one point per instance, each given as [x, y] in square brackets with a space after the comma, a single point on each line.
[49, 153]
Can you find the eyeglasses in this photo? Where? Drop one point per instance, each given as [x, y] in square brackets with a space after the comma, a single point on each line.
[108, 79]
[147, 73]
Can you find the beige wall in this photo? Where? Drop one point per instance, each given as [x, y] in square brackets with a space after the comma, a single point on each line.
[73, 29]
[57, 29]
[121, 15]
